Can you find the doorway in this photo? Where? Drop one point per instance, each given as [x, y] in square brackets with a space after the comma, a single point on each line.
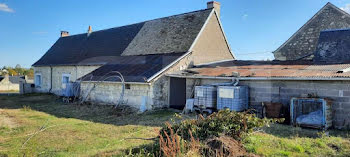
[177, 93]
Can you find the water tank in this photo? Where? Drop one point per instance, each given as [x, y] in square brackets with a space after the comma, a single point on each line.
[205, 97]
[234, 98]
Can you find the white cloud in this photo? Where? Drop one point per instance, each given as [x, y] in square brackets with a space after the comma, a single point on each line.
[244, 16]
[346, 8]
[5, 8]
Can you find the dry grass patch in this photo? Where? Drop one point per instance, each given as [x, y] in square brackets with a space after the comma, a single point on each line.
[41, 125]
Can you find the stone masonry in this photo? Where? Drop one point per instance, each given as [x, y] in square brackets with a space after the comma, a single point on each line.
[74, 72]
[304, 41]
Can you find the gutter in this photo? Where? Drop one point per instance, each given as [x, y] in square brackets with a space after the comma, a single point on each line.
[50, 79]
[137, 83]
[168, 66]
[264, 78]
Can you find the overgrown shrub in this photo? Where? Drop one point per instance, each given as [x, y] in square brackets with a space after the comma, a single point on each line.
[202, 136]
[224, 122]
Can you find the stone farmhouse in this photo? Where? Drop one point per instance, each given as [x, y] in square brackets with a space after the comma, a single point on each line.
[143, 53]
[302, 44]
[162, 60]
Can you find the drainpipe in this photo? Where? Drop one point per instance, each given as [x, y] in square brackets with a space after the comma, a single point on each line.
[50, 79]
[76, 73]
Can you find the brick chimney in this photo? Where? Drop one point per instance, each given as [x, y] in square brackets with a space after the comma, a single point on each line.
[215, 5]
[64, 33]
[89, 31]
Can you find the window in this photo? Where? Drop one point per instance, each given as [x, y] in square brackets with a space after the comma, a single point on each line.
[65, 79]
[37, 80]
[127, 86]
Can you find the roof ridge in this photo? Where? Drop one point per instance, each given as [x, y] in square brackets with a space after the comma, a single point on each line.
[144, 21]
[308, 21]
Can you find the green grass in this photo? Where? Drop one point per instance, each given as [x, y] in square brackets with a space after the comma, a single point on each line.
[89, 130]
[70, 130]
[282, 140]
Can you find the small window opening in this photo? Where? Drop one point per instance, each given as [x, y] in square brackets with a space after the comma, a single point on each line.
[127, 86]
[37, 80]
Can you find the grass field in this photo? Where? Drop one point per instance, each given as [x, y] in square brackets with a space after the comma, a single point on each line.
[284, 140]
[41, 125]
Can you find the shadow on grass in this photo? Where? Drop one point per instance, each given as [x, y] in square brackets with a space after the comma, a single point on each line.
[288, 131]
[52, 105]
[146, 150]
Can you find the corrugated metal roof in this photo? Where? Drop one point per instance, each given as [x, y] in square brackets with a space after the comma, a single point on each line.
[270, 69]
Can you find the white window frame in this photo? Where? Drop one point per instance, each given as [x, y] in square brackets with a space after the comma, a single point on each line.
[38, 84]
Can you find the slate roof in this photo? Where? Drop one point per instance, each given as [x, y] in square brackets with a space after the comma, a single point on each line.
[333, 46]
[173, 34]
[13, 79]
[270, 69]
[72, 50]
[133, 68]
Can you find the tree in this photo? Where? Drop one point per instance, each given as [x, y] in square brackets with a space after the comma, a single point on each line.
[12, 72]
[18, 66]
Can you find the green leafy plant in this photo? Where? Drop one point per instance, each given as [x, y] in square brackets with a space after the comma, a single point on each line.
[224, 122]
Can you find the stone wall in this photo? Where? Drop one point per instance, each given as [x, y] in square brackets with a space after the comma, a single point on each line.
[211, 46]
[283, 91]
[26, 88]
[109, 93]
[74, 72]
[161, 84]
[9, 87]
[304, 41]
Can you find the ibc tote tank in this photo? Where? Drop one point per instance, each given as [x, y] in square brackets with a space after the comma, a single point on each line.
[233, 97]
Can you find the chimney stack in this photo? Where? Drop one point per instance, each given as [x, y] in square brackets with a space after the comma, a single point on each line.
[64, 33]
[89, 31]
[215, 5]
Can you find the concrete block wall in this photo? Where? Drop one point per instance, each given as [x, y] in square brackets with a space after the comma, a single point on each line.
[75, 72]
[109, 93]
[283, 91]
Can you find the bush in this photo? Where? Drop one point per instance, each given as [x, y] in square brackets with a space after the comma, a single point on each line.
[224, 122]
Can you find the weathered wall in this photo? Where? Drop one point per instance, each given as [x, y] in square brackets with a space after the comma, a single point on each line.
[109, 93]
[8, 86]
[25, 88]
[156, 94]
[304, 41]
[283, 91]
[211, 46]
[45, 79]
[75, 72]
[160, 85]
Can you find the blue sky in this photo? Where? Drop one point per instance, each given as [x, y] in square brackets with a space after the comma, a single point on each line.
[254, 28]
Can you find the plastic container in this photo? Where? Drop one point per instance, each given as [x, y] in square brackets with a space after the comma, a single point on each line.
[205, 97]
[234, 98]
